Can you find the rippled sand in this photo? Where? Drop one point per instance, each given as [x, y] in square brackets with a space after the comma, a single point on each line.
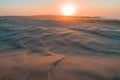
[59, 48]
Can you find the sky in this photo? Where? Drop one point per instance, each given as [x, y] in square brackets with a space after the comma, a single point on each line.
[52, 7]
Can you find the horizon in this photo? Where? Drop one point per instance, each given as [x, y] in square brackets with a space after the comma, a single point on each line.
[104, 17]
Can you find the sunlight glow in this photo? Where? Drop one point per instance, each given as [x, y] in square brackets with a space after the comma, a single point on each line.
[68, 10]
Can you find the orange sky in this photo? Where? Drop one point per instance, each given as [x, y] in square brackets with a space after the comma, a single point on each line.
[47, 7]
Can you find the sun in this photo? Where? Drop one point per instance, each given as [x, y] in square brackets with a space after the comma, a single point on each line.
[68, 9]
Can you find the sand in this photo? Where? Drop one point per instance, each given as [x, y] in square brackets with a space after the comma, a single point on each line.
[59, 48]
[58, 67]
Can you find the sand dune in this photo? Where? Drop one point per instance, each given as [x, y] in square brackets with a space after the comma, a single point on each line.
[59, 48]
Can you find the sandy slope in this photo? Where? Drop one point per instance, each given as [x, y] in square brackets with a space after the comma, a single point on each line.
[58, 67]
